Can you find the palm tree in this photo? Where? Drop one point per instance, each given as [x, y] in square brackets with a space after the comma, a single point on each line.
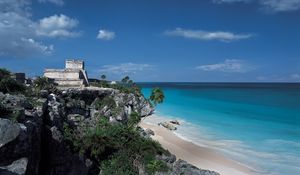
[125, 80]
[157, 96]
[4, 73]
[103, 77]
[42, 83]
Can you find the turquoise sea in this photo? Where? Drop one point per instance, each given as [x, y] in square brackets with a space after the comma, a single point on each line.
[257, 124]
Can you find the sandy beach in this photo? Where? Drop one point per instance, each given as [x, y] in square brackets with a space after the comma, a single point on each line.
[201, 157]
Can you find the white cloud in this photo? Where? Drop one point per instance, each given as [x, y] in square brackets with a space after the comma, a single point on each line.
[56, 2]
[106, 35]
[17, 30]
[57, 26]
[206, 35]
[268, 5]
[126, 68]
[15, 6]
[20, 35]
[281, 5]
[229, 65]
[295, 76]
[37, 46]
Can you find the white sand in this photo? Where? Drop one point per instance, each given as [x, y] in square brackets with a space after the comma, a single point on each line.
[201, 157]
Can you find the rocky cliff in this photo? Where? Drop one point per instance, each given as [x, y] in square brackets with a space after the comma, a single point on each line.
[32, 130]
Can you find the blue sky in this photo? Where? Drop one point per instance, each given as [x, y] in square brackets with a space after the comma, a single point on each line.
[157, 40]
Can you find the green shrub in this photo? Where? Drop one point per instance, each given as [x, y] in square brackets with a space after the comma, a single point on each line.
[9, 85]
[115, 147]
[106, 101]
[4, 73]
[121, 163]
[156, 166]
[44, 83]
[134, 119]
[10, 113]
[126, 86]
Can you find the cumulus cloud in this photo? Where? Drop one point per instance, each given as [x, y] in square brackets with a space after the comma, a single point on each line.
[206, 35]
[268, 5]
[17, 30]
[20, 35]
[126, 68]
[229, 65]
[56, 2]
[57, 26]
[105, 35]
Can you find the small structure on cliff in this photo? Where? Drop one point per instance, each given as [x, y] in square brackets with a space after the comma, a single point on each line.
[19, 77]
[73, 74]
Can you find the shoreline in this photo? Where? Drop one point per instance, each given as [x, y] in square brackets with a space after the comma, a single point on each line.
[201, 157]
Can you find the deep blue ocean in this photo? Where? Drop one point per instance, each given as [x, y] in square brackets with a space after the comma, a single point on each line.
[254, 123]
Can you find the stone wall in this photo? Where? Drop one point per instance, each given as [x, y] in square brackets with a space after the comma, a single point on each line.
[70, 82]
[74, 64]
[62, 74]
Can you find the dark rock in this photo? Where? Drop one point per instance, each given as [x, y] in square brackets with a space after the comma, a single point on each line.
[75, 119]
[143, 132]
[176, 122]
[76, 107]
[44, 93]
[182, 167]
[17, 167]
[149, 131]
[6, 172]
[36, 144]
[167, 125]
[29, 113]
[8, 131]
[26, 144]
[167, 158]
[20, 140]
[56, 134]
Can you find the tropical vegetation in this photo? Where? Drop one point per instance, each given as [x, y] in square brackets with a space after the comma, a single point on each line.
[157, 96]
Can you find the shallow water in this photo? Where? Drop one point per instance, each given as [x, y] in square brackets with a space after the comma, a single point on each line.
[256, 124]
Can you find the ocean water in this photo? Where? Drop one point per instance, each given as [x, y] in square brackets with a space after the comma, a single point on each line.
[255, 124]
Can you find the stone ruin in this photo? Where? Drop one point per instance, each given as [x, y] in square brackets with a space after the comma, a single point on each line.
[73, 74]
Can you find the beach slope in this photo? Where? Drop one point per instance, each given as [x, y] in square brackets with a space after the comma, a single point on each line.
[202, 157]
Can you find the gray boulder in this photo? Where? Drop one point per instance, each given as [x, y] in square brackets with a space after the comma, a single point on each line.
[168, 125]
[18, 167]
[182, 167]
[8, 131]
[149, 131]
[167, 158]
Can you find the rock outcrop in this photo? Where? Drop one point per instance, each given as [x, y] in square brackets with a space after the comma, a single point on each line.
[168, 125]
[31, 137]
[32, 130]
[20, 135]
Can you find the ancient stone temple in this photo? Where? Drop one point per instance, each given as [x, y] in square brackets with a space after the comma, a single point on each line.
[73, 74]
